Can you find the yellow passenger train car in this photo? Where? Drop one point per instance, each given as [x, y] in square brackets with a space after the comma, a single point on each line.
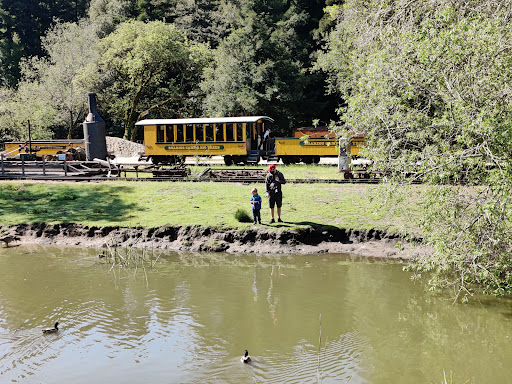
[238, 140]
[41, 147]
[309, 144]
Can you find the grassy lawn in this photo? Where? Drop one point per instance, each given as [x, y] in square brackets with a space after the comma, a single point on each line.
[121, 203]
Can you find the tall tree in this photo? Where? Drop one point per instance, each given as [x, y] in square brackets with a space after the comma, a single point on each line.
[23, 22]
[430, 84]
[106, 14]
[263, 65]
[150, 66]
[48, 93]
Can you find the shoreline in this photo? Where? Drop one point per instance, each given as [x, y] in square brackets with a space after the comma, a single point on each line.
[310, 240]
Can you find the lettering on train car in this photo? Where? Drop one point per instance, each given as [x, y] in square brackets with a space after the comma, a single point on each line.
[41, 147]
[198, 147]
[322, 143]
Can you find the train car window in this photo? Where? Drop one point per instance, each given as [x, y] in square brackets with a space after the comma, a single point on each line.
[229, 132]
[209, 132]
[240, 132]
[220, 136]
[199, 132]
[160, 133]
[179, 133]
[190, 132]
[169, 133]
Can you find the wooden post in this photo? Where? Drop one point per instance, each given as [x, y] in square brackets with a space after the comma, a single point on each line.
[22, 166]
[2, 160]
[65, 167]
[44, 165]
[29, 138]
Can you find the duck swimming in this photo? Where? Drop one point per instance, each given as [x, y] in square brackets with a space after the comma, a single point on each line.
[52, 330]
[245, 358]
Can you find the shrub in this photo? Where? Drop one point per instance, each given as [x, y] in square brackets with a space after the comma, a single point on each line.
[242, 216]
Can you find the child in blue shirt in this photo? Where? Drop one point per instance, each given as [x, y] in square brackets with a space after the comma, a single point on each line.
[256, 206]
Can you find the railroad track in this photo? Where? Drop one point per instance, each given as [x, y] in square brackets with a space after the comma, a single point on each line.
[103, 171]
[192, 179]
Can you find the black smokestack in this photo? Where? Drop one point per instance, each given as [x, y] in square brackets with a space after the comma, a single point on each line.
[94, 132]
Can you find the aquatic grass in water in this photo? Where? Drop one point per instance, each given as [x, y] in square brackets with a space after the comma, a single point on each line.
[131, 256]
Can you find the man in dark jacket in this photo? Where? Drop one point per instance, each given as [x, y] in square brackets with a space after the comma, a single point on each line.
[273, 183]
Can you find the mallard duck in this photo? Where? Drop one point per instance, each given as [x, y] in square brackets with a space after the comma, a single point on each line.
[9, 239]
[52, 330]
[245, 358]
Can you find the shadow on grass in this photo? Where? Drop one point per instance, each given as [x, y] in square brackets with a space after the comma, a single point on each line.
[64, 203]
[312, 224]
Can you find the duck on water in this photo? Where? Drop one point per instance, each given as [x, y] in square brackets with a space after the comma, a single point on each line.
[245, 358]
[52, 330]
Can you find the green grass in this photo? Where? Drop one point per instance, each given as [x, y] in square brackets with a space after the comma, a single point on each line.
[155, 204]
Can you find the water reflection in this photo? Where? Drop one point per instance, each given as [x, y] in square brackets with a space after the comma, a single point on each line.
[190, 318]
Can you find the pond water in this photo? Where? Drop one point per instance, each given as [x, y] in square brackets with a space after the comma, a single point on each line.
[190, 318]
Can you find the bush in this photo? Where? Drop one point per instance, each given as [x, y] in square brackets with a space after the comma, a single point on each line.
[242, 216]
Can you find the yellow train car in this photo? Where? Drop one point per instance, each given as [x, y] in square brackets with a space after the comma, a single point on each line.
[308, 145]
[294, 150]
[41, 147]
[235, 138]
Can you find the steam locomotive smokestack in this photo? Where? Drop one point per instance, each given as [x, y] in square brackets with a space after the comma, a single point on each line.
[93, 110]
[94, 132]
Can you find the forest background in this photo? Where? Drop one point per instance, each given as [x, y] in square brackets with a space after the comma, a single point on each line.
[428, 81]
[160, 58]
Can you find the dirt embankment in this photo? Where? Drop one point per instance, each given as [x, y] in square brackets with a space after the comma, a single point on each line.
[371, 243]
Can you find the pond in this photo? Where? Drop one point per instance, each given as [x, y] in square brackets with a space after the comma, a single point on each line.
[303, 318]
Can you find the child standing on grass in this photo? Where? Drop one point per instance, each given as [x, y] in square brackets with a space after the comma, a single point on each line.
[256, 206]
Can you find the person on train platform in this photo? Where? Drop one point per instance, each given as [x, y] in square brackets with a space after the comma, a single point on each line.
[265, 141]
[256, 206]
[273, 182]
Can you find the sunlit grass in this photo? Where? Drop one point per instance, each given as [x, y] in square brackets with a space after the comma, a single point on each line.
[199, 203]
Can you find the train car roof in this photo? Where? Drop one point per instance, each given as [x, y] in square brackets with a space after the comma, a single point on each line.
[205, 120]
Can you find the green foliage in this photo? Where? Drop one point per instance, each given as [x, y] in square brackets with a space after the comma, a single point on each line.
[262, 65]
[149, 66]
[107, 14]
[48, 94]
[242, 216]
[429, 84]
[22, 25]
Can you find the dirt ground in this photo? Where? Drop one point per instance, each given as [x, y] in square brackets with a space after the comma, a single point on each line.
[373, 243]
